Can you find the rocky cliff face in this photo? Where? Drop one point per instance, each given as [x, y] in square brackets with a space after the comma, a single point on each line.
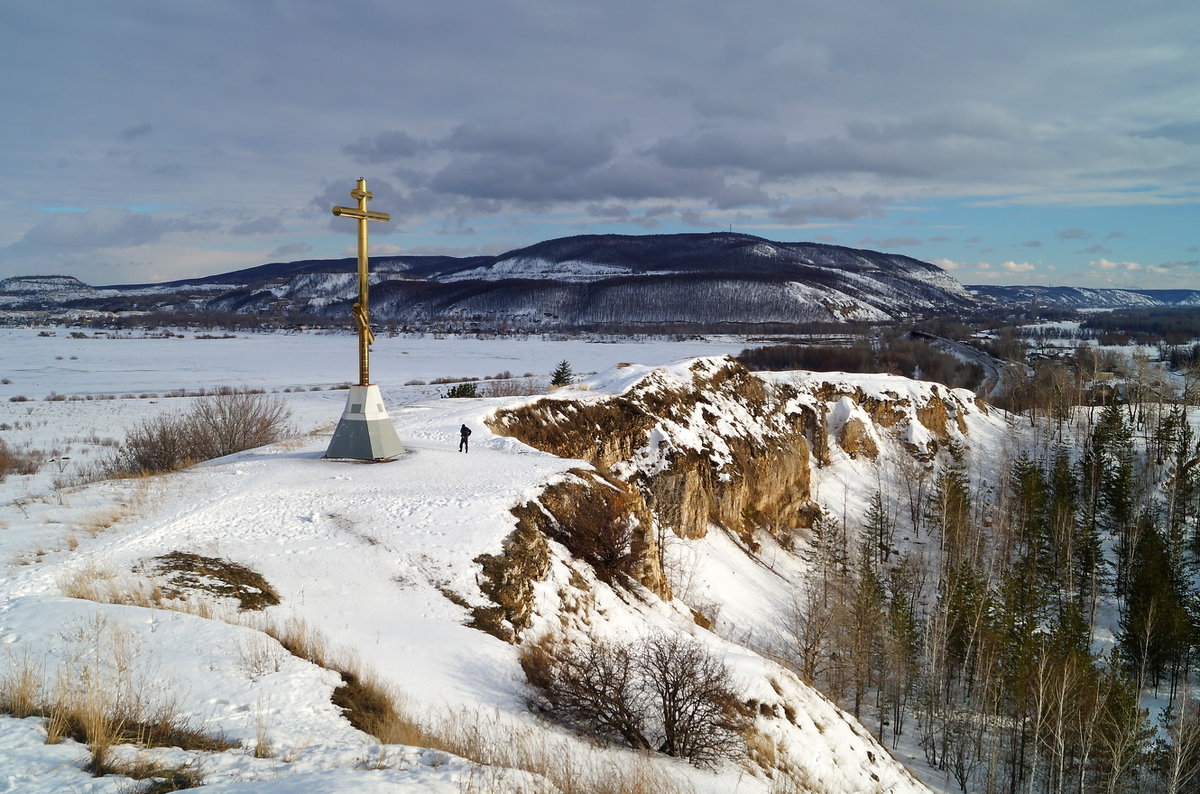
[710, 456]
[717, 445]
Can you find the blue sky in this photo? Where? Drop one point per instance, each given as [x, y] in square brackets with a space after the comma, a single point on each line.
[1013, 142]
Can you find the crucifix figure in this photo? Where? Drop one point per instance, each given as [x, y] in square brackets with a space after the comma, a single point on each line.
[364, 432]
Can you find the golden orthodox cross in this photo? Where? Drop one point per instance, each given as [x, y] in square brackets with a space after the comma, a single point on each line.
[365, 337]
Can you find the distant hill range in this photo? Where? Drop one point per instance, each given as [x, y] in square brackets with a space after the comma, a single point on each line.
[590, 281]
[1084, 298]
[600, 282]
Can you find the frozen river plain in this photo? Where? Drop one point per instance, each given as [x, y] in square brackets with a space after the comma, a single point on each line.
[132, 364]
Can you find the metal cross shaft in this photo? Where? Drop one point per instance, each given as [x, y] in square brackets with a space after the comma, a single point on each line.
[362, 307]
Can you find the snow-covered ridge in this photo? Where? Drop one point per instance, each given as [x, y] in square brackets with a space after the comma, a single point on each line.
[24, 285]
[1084, 297]
[537, 268]
[589, 280]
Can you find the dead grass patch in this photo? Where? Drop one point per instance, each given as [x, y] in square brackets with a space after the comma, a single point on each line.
[99, 520]
[101, 705]
[185, 571]
[21, 687]
[106, 587]
[162, 778]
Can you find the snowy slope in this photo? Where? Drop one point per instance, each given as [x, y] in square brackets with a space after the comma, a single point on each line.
[381, 560]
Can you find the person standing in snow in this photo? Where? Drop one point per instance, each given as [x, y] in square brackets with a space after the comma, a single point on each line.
[464, 434]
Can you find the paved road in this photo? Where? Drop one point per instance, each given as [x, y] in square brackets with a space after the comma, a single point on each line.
[996, 371]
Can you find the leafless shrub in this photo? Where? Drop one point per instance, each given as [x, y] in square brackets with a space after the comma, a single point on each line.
[512, 387]
[597, 520]
[18, 461]
[667, 693]
[215, 427]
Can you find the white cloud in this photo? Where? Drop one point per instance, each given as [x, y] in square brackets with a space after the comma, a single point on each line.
[1106, 264]
[1018, 267]
[947, 264]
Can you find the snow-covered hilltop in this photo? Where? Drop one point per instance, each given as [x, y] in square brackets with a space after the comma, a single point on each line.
[435, 574]
[1084, 297]
[599, 281]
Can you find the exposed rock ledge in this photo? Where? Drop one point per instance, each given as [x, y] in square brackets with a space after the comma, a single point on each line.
[711, 443]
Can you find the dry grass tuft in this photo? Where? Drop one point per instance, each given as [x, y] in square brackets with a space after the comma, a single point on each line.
[299, 639]
[102, 710]
[19, 461]
[21, 688]
[487, 740]
[99, 520]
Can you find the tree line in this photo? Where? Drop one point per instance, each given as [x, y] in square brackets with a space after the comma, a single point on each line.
[1017, 635]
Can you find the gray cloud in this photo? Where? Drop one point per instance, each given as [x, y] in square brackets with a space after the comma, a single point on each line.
[1032, 243]
[541, 142]
[719, 112]
[843, 208]
[934, 144]
[385, 147]
[262, 225]
[1072, 234]
[1183, 131]
[101, 228]
[289, 250]
[136, 131]
[536, 179]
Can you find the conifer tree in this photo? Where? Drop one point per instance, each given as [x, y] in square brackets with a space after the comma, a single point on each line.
[880, 528]
[949, 510]
[1155, 626]
[563, 375]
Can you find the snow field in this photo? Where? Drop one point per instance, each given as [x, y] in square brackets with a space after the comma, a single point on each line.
[379, 559]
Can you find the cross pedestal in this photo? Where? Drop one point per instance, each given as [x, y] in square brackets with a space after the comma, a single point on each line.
[365, 432]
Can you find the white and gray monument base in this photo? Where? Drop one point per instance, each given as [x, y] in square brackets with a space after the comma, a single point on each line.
[365, 431]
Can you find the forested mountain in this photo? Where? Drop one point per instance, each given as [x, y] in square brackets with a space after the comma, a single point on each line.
[600, 281]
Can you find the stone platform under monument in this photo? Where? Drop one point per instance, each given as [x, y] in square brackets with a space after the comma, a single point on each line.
[365, 431]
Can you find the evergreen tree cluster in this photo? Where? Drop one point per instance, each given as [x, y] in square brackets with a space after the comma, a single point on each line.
[984, 637]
